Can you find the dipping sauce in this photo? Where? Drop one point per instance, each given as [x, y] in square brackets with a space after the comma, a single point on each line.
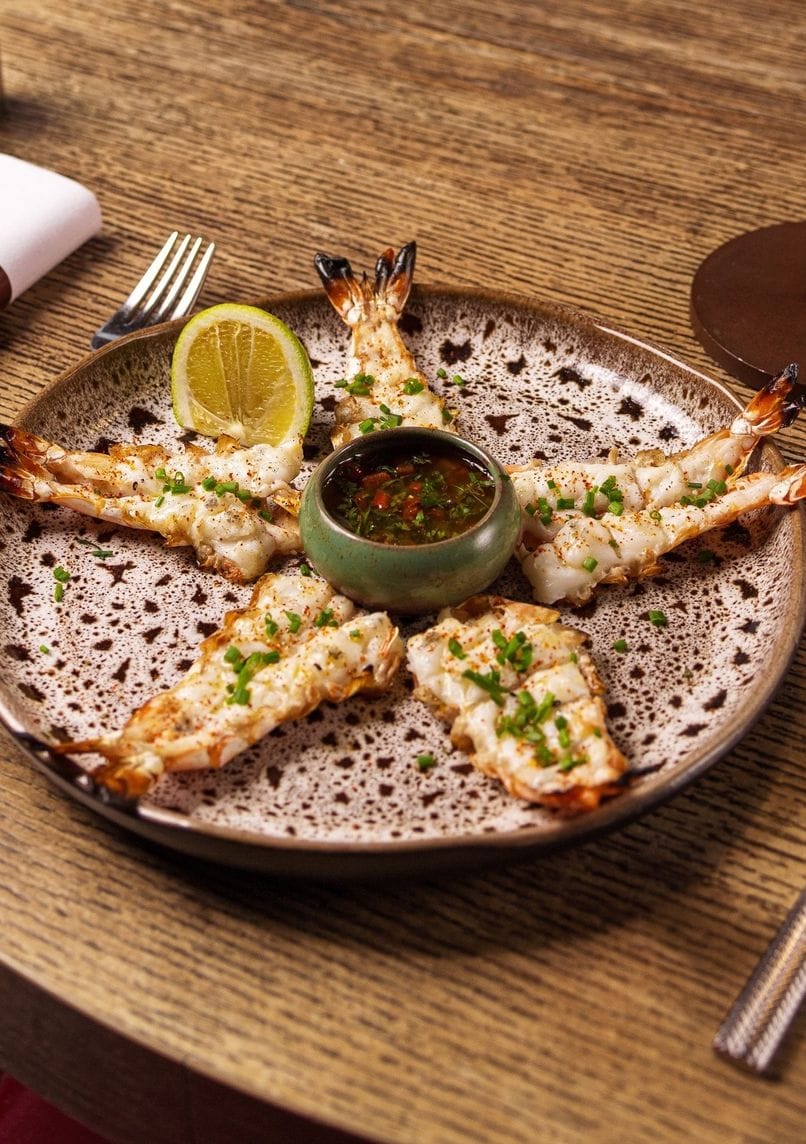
[399, 497]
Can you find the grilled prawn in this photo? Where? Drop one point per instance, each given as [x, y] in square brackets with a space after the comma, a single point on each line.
[523, 698]
[613, 549]
[384, 387]
[295, 645]
[234, 506]
[550, 495]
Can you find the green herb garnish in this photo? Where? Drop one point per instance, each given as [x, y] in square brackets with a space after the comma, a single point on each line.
[455, 648]
[490, 682]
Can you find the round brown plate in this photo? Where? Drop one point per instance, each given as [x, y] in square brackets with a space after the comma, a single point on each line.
[338, 794]
[748, 302]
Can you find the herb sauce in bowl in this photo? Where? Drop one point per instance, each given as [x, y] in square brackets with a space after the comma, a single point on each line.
[400, 497]
[409, 519]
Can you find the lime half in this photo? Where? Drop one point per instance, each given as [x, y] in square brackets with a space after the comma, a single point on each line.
[239, 370]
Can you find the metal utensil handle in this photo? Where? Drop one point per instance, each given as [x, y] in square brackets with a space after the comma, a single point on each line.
[764, 1010]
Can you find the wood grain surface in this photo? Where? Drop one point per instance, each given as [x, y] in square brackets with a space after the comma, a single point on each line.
[593, 153]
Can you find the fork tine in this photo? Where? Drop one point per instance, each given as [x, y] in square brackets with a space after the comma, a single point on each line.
[156, 294]
[144, 285]
[178, 282]
[193, 288]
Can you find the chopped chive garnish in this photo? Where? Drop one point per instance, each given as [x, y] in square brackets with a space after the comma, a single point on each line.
[531, 509]
[305, 570]
[694, 484]
[657, 618]
[209, 483]
[443, 373]
[159, 501]
[589, 563]
[413, 385]
[457, 380]
[565, 502]
[447, 417]
[355, 634]
[367, 425]
[265, 514]
[588, 502]
[359, 386]
[729, 470]
[389, 420]
[455, 648]
[621, 646]
[58, 593]
[44, 649]
[616, 507]
[491, 683]
[326, 619]
[546, 511]
[655, 515]
[160, 474]
[61, 574]
[551, 484]
[425, 762]
[294, 621]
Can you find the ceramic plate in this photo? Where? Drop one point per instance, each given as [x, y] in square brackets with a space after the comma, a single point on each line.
[339, 793]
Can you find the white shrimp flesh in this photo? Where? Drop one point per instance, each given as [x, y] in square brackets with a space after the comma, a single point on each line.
[523, 699]
[234, 506]
[297, 644]
[551, 494]
[383, 387]
[611, 549]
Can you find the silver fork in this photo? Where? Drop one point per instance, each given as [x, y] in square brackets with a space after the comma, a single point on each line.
[167, 299]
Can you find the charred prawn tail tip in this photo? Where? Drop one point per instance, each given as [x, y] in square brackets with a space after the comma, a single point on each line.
[8, 454]
[393, 266]
[792, 395]
[330, 269]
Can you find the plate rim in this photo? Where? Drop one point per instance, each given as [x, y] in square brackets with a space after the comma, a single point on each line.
[270, 853]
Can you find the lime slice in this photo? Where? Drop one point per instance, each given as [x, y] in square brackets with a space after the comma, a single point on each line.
[240, 371]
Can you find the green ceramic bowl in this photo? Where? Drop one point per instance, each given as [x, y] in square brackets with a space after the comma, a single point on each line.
[418, 577]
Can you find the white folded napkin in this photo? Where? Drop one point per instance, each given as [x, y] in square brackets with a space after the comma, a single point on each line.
[43, 218]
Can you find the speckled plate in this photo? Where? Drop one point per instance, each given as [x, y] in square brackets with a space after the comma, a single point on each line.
[339, 794]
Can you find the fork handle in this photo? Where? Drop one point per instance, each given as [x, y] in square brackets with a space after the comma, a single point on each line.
[756, 1024]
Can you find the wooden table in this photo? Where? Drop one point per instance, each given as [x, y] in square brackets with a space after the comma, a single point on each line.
[592, 153]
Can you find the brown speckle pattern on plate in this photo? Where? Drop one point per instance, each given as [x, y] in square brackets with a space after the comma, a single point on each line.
[340, 792]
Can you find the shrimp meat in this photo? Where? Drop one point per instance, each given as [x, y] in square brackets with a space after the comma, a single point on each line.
[612, 549]
[552, 494]
[523, 699]
[234, 506]
[297, 644]
[385, 388]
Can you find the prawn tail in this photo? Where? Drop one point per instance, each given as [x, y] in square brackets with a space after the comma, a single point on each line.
[774, 406]
[20, 461]
[355, 298]
[122, 778]
[791, 487]
[394, 274]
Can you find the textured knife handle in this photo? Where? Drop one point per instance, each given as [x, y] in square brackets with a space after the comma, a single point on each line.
[764, 1010]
